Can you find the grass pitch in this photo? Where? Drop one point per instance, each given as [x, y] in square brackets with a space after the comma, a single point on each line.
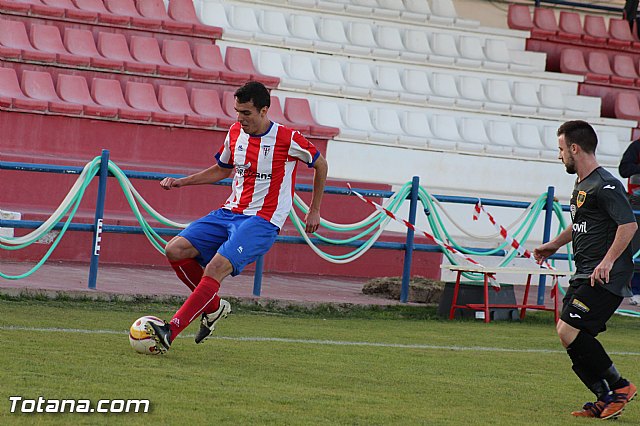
[399, 365]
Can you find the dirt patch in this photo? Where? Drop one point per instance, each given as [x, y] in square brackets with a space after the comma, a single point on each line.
[421, 290]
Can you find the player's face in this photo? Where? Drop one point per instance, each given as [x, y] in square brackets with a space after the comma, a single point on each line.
[253, 122]
[565, 154]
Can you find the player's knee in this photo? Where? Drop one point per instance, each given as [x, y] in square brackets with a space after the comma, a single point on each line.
[219, 267]
[178, 249]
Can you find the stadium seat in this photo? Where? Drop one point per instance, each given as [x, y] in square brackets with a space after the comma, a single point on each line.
[147, 51]
[443, 12]
[572, 62]
[274, 24]
[385, 120]
[74, 89]
[208, 56]
[128, 8]
[206, 103]
[551, 101]
[388, 79]
[39, 85]
[625, 72]
[238, 59]
[501, 137]
[471, 88]
[332, 32]
[46, 38]
[417, 81]
[71, 11]
[361, 39]
[528, 136]
[598, 64]
[444, 45]
[174, 99]
[498, 56]
[417, 42]
[445, 133]
[545, 24]
[178, 53]
[276, 114]
[142, 96]
[42, 10]
[471, 49]
[214, 14]
[244, 22]
[228, 104]
[390, 39]
[526, 98]
[11, 95]
[81, 43]
[328, 113]
[16, 6]
[297, 110]
[301, 75]
[416, 124]
[114, 46]
[104, 15]
[499, 94]
[14, 43]
[109, 93]
[626, 106]
[154, 9]
[595, 30]
[357, 117]
[271, 63]
[417, 6]
[329, 71]
[519, 17]
[570, 27]
[444, 88]
[183, 11]
[620, 36]
[608, 145]
[472, 130]
[303, 32]
[359, 78]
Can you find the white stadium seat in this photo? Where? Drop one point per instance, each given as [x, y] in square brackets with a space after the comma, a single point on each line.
[472, 130]
[526, 98]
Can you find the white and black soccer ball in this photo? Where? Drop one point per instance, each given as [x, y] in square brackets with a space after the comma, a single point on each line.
[140, 339]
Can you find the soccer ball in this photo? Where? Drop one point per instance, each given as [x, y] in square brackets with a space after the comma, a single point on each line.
[140, 340]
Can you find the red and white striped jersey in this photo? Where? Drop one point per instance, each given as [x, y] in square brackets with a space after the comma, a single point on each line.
[265, 165]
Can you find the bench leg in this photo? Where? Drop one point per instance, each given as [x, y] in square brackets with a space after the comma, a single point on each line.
[454, 300]
[486, 298]
[525, 300]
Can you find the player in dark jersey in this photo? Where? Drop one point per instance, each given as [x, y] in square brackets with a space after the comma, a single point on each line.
[603, 226]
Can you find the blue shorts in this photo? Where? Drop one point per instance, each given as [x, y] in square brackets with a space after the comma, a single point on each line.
[241, 239]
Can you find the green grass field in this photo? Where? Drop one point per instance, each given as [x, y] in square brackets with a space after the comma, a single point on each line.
[372, 367]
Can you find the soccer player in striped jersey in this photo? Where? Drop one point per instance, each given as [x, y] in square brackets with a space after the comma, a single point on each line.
[263, 154]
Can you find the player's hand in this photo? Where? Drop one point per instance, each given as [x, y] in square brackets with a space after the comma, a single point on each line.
[312, 221]
[169, 182]
[543, 252]
[600, 275]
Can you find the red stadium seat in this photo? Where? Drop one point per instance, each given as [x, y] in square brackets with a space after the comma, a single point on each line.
[11, 95]
[74, 89]
[178, 53]
[620, 33]
[624, 70]
[114, 46]
[626, 106]
[276, 114]
[14, 43]
[71, 11]
[184, 11]
[39, 85]
[46, 38]
[142, 96]
[570, 27]
[598, 64]
[146, 50]
[109, 93]
[519, 17]
[206, 102]
[228, 105]
[239, 59]
[16, 6]
[40, 9]
[545, 24]
[208, 56]
[174, 99]
[595, 30]
[297, 110]
[81, 43]
[154, 9]
[128, 8]
[104, 15]
[572, 62]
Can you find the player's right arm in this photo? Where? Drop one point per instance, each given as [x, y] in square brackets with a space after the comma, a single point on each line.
[211, 175]
[547, 249]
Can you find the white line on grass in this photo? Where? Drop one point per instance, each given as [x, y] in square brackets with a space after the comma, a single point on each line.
[314, 341]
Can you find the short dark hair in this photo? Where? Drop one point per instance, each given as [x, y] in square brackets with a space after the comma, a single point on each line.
[255, 92]
[581, 133]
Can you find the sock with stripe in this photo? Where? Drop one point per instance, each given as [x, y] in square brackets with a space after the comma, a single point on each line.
[189, 271]
[203, 299]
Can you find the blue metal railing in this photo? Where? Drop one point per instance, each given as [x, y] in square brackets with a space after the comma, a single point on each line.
[409, 246]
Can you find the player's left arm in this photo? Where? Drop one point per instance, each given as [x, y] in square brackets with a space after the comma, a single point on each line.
[312, 219]
[614, 200]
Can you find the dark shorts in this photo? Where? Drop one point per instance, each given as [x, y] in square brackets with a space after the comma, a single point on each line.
[589, 308]
[241, 239]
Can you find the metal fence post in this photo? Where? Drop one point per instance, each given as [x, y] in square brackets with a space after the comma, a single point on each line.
[257, 276]
[97, 223]
[546, 235]
[408, 252]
